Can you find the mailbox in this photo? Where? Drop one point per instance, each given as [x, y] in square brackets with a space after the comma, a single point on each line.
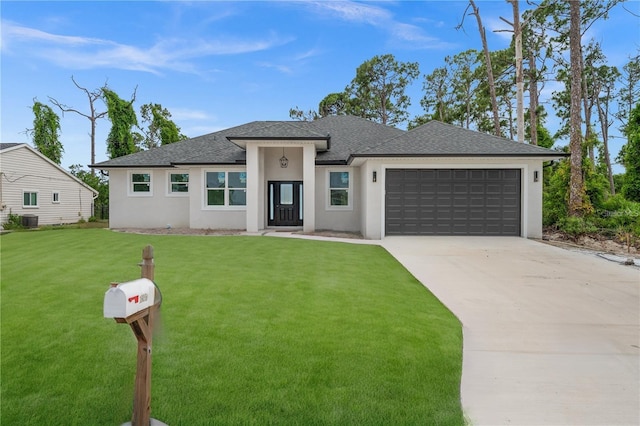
[125, 299]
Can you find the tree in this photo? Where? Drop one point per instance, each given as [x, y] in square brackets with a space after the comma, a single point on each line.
[298, 114]
[629, 92]
[517, 38]
[451, 92]
[631, 157]
[333, 104]
[96, 181]
[377, 92]
[120, 140]
[604, 83]
[542, 135]
[161, 129]
[437, 99]
[576, 184]
[45, 132]
[489, 68]
[570, 20]
[93, 116]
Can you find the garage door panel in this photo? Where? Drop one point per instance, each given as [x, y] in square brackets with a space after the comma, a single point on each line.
[453, 202]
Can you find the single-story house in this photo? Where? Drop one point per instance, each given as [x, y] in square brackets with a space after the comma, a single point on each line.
[33, 185]
[339, 173]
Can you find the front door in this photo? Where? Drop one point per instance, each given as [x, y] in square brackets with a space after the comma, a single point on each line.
[285, 203]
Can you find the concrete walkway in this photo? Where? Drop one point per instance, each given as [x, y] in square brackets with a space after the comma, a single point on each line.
[551, 336]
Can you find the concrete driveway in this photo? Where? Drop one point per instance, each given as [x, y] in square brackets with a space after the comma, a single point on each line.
[551, 337]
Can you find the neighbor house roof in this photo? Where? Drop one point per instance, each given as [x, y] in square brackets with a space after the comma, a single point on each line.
[4, 146]
[15, 146]
[347, 137]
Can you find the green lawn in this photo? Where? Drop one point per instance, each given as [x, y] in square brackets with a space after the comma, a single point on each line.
[255, 331]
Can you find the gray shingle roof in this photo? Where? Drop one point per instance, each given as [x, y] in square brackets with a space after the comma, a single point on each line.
[7, 145]
[279, 130]
[437, 139]
[350, 137]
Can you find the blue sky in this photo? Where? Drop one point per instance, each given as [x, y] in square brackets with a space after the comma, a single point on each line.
[219, 64]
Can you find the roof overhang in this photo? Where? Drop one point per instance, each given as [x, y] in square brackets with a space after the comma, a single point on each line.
[357, 159]
[322, 143]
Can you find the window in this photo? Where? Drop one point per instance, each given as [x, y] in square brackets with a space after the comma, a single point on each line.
[55, 197]
[226, 188]
[29, 199]
[140, 183]
[178, 183]
[339, 188]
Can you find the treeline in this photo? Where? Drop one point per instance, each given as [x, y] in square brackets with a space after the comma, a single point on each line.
[484, 90]
[127, 134]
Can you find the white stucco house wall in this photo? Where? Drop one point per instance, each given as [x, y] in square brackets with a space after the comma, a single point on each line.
[338, 173]
[31, 184]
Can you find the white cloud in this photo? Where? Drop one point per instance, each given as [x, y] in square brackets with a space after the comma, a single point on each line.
[13, 32]
[353, 12]
[76, 52]
[380, 18]
[186, 114]
[282, 68]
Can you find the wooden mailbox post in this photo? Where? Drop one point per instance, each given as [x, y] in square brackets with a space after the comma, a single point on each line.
[142, 323]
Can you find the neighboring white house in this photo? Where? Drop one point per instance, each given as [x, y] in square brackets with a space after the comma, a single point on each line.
[338, 173]
[31, 184]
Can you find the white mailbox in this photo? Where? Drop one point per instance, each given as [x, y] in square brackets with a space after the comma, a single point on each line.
[126, 299]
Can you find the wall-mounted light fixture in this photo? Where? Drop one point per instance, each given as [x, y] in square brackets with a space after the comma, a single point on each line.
[284, 161]
[375, 176]
[535, 175]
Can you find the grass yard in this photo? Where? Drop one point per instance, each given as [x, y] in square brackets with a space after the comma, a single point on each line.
[255, 331]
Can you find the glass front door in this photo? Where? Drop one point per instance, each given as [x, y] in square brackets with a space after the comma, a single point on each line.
[285, 203]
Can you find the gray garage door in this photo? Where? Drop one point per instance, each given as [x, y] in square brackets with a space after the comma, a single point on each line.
[452, 202]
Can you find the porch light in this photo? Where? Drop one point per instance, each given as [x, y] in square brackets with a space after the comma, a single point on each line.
[535, 175]
[284, 161]
[375, 176]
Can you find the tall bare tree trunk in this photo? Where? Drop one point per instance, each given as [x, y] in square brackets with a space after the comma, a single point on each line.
[93, 117]
[588, 107]
[603, 115]
[517, 35]
[490, 79]
[533, 98]
[576, 183]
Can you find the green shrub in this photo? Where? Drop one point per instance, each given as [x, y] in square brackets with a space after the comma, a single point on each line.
[14, 221]
[618, 213]
[576, 226]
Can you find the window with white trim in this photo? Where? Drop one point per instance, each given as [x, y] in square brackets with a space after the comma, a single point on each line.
[225, 189]
[30, 199]
[140, 183]
[339, 189]
[178, 183]
[55, 197]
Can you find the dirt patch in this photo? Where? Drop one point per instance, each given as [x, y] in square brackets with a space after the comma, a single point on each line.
[218, 232]
[333, 234]
[595, 242]
[178, 231]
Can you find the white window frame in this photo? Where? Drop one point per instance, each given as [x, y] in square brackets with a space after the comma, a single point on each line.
[31, 206]
[170, 191]
[130, 183]
[349, 190]
[205, 191]
[54, 195]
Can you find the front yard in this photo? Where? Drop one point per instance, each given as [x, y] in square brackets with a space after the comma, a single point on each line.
[254, 330]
